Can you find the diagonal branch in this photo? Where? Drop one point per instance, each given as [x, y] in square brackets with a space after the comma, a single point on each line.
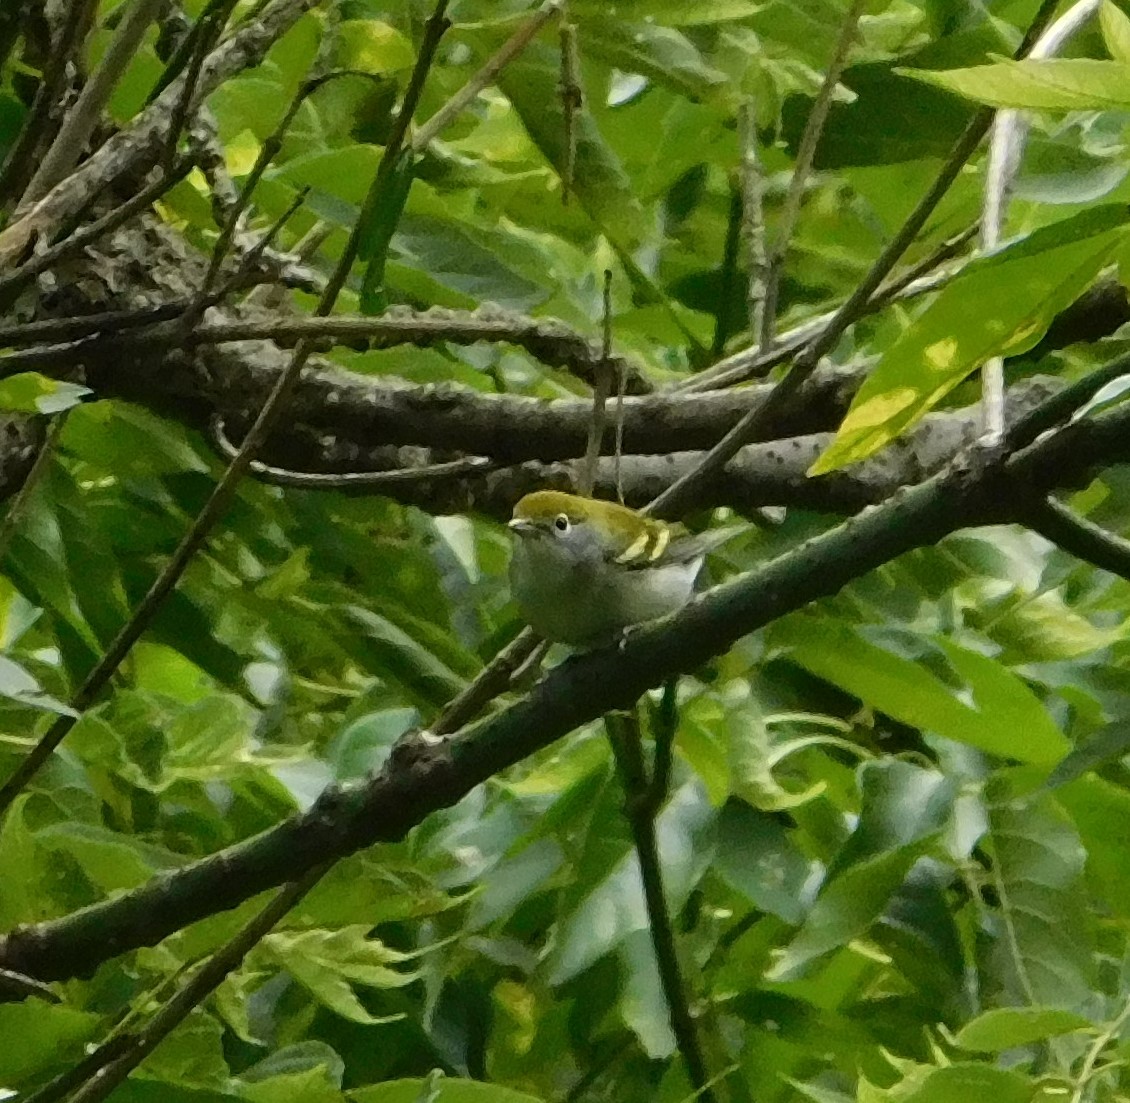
[806, 153]
[1082, 538]
[75, 132]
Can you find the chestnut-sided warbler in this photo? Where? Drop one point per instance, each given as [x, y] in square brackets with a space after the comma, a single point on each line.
[583, 570]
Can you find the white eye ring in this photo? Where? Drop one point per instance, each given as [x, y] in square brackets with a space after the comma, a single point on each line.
[561, 523]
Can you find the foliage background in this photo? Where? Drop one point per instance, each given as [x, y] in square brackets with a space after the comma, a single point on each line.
[893, 843]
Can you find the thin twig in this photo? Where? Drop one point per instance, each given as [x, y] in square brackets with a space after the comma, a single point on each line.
[641, 809]
[728, 274]
[680, 493]
[493, 66]
[186, 47]
[962, 150]
[39, 468]
[61, 1086]
[600, 392]
[753, 219]
[572, 100]
[618, 445]
[253, 255]
[201, 39]
[84, 115]
[20, 162]
[349, 480]
[1006, 145]
[117, 321]
[1087, 1070]
[15, 987]
[751, 363]
[224, 491]
[491, 681]
[806, 153]
[136, 148]
[107, 224]
[546, 340]
[665, 727]
[1082, 538]
[1063, 404]
[202, 984]
[267, 153]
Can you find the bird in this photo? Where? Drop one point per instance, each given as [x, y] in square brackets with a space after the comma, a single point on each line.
[585, 570]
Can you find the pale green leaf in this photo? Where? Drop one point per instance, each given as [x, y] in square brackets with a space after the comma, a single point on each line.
[907, 691]
[1052, 84]
[329, 963]
[1006, 1027]
[1000, 305]
[451, 1090]
[1043, 949]
[373, 47]
[32, 393]
[1116, 31]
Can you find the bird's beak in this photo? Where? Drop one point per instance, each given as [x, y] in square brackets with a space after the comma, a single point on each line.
[521, 526]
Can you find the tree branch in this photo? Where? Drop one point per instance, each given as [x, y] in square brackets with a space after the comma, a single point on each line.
[141, 144]
[423, 776]
[1082, 538]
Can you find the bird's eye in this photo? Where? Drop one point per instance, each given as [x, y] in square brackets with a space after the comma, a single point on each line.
[561, 523]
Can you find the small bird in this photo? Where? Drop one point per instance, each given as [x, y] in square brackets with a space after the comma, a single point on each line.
[583, 570]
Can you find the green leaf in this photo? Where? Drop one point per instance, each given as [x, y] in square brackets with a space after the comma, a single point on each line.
[1052, 84]
[757, 858]
[454, 255]
[393, 653]
[918, 932]
[844, 910]
[599, 180]
[1105, 745]
[372, 47]
[329, 963]
[451, 1090]
[50, 1037]
[956, 1083]
[1107, 397]
[1116, 31]
[309, 1056]
[1100, 811]
[900, 805]
[1000, 305]
[661, 54]
[1006, 703]
[1007, 718]
[16, 684]
[310, 1085]
[342, 173]
[380, 216]
[193, 1055]
[1007, 1027]
[32, 393]
[903, 808]
[1043, 952]
[670, 13]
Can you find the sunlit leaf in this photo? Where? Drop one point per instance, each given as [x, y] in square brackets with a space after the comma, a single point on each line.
[999, 305]
[1065, 84]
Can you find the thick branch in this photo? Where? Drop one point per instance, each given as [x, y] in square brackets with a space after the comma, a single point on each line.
[772, 473]
[232, 379]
